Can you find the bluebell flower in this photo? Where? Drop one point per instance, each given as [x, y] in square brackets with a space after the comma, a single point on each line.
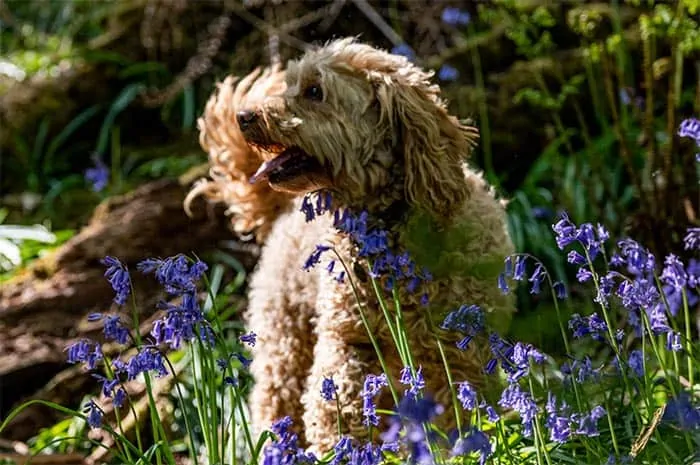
[415, 382]
[372, 387]
[342, 449]
[682, 413]
[284, 449]
[119, 279]
[329, 389]
[691, 241]
[467, 319]
[315, 257]
[583, 275]
[467, 396]
[503, 284]
[175, 273]
[592, 325]
[673, 341]
[674, 273]
[560, 290]
[448, 73]
[588, 424]
[85, 351]
[114, 329]
[639, 261]
[366, 455]
[94, 415]
[575, 258]
[519, 272]
[418, 410]
[404, 50]
[491, 413]
[690, 128]
[455, 16]
[119, 398]
[557, 420]
[146, 360]
[179, 323]
[474, 441]
[98, 175]
[248, 338]
[580, 370]
[536, 279]
[515, 398]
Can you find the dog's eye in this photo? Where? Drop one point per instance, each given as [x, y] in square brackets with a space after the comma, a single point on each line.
[314, 92]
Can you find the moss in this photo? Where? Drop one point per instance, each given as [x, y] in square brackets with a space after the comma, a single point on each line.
[446, 251]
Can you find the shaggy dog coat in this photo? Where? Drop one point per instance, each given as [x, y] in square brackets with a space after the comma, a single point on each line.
[369, 128]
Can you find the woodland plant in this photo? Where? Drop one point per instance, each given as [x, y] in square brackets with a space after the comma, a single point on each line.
[626, 391]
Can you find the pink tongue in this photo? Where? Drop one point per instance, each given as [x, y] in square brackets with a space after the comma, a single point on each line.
[271, 165]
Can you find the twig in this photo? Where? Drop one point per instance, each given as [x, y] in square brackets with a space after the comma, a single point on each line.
[378, 21]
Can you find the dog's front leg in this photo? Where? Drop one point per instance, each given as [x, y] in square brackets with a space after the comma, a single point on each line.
[343, 351]
[280, 311]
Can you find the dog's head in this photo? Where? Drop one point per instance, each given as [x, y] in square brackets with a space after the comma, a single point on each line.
[357, 120]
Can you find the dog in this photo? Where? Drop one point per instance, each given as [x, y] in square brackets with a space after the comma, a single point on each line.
[369, 128]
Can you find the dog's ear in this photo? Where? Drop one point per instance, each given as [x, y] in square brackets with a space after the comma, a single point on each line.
[434, 143]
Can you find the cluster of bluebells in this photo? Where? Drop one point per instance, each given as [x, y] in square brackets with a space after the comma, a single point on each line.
[372, 245]
[284, 449]
[183, 321]
[516, 269]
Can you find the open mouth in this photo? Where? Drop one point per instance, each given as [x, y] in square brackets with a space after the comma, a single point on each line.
[289, 164]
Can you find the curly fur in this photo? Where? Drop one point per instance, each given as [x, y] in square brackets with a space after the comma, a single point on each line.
[380, 137]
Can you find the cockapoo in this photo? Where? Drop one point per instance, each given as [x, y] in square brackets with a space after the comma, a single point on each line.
[369, 128]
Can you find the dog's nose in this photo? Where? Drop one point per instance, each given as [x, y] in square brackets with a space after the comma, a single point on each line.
[246, 118]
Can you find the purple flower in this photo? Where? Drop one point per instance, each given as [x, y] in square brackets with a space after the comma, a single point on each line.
[174, 273]
[145, 360]
[690, 128]
[179, 323]
[588, 424]
[94, 415]
[418, 410]
[519, 272]
[503, 284]
[249, 338]
[674, 273]
[85, 351]
[560, 290]
[681, 412]
[673, 341]
[466, 394]
[475, 441]
[98, 175]
[448, 73]
[513, 397]
[404, 50]
[467, 319]
[455, 17]
[114, 329]
[636, 363]
[284, 449]
[536, 279]
[315, 257]
[416, 383]
[118, 277]
[328, 389]
[557, 420]
[342, 449]
[593, 325]
[372, 386]
[691, 241]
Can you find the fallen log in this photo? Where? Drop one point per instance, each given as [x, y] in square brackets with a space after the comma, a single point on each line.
[44, 308]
